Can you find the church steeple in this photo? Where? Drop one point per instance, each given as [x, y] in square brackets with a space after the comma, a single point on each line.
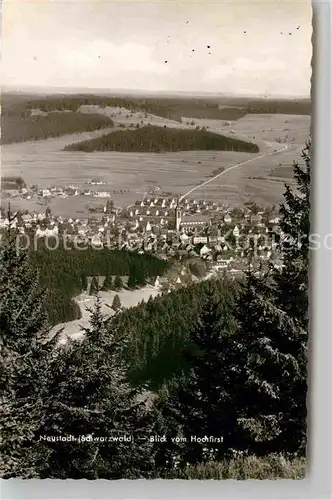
[178, 216]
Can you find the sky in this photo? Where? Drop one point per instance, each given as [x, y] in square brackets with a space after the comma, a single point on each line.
[220, 47]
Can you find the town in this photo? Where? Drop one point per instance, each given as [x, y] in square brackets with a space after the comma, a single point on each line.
[169, 228]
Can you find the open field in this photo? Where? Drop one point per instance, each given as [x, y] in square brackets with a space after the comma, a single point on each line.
[44, 163]
[261, 180]
[129, 298]
[136, 173]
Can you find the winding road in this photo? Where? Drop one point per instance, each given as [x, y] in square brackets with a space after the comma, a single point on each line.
[232, 167]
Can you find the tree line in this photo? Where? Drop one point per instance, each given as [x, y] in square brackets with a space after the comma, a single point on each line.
[8, 182]
[218, 108]
[157, 140]
[243, 382]
[27, 128]
[63, 274]
[158, 329]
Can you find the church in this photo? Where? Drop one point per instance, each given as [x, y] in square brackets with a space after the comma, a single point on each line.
[190, 223]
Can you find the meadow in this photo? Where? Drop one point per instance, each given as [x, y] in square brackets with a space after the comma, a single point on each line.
[271, 467]
[136, 174]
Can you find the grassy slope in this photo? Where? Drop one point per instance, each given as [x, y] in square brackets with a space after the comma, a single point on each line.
[212, 107]
[18, 125]
[251, 467]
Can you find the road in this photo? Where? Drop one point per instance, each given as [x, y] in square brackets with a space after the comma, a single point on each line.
[232, 167]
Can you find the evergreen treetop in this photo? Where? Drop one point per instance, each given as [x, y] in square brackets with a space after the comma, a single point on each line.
[28, 356]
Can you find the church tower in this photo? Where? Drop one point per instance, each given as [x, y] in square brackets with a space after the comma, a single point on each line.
[178, 216]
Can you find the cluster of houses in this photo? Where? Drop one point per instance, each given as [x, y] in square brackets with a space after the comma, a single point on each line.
[220, 235]
[33, 192]
[167, 213]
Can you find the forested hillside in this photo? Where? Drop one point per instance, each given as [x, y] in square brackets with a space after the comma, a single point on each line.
[157, 140]
[159, 329]
[227, 363]
[174, 108]
[63, 273]
[279, 106]
[27, 128]
[18, 125]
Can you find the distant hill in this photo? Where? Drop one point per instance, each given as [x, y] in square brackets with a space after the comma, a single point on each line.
[18, 124]
[158, 139]
[279, 106]
[37, 127]
[209, 107]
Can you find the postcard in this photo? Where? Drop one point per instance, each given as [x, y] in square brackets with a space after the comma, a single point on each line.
[155, 217]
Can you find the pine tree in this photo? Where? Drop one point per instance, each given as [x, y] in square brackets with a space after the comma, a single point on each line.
[94, 286]
[272, 335]
[109, 283]
[118, 283]
[132, 280]
[292, 279]
[292, 293]
[28, 357]
[200, 402]
[95, 399]
[267, 362]
[116, 304]
[140, 275]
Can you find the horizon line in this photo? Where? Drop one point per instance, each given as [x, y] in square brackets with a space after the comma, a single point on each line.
[64, 89]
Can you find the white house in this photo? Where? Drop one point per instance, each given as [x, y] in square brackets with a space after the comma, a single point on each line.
[184, 238]
[96, 241]
[200, 239]
[40, 233]
[236, 232]
[27, 218]
[103, 194]
[204, 251]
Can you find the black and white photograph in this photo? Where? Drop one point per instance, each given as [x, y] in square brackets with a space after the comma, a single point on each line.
[155, 239]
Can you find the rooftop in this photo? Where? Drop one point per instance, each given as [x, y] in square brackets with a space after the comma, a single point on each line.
[195, 218]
